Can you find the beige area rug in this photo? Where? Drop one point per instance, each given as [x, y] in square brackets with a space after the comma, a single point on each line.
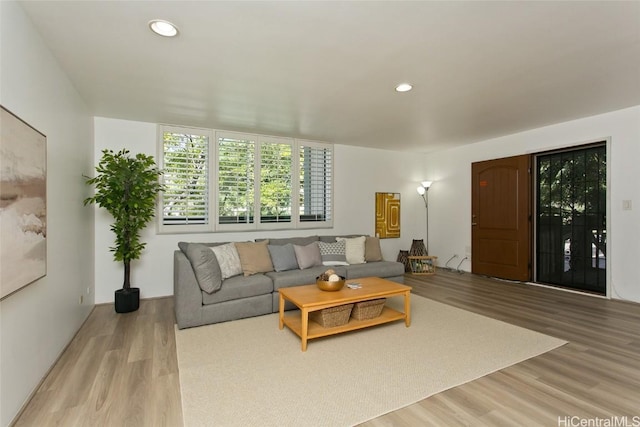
[250, 373]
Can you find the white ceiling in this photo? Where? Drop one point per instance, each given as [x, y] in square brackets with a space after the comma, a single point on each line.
[327, 70]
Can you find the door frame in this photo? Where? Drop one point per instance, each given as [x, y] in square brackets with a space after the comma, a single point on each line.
[533, 230]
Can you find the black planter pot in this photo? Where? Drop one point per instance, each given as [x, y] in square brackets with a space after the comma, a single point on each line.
[127, 300]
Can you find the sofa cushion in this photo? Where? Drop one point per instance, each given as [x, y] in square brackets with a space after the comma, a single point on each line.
[254, 257]
[240, 287]
[300, 241]
[228, 259]
[308, 256]
[308, 276]
[333, 238]
[283, 257]
[372, 251]
[354, 249]
[205, 265]
[333, 253]
[375, 269]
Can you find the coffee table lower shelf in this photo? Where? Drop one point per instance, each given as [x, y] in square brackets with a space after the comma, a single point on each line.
[294, 322]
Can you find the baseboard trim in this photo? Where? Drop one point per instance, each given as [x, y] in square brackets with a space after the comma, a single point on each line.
[46, 374]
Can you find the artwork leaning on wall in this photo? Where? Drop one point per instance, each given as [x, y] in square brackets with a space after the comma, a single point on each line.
[23, 200]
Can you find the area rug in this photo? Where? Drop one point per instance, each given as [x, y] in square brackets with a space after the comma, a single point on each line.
[250, 373]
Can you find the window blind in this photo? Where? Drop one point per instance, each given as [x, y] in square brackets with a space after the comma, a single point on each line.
[316, 180]
[222, 181]
[186, 175]
[236, 176]
[275, 181]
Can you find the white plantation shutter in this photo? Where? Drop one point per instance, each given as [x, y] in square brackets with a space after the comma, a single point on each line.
[236, 179]
[230, 181]
[316, 183]
[275, 180]
[185, 162]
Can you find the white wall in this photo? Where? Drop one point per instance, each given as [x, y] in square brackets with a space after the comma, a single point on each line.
[37, 322]
[450, 196]
[359, 173]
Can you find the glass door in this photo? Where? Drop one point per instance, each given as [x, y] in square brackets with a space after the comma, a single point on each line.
[571, 235]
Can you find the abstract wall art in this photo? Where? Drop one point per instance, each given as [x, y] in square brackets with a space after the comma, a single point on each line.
[387, 215]
[23, 204]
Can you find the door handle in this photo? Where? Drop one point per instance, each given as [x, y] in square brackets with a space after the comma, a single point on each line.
[474, 223]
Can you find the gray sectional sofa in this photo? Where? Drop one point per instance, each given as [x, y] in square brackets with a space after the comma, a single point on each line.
[203, 296]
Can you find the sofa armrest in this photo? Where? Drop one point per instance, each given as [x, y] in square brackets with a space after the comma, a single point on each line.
[187, 296]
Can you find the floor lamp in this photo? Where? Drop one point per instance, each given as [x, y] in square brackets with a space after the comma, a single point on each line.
[423, 191]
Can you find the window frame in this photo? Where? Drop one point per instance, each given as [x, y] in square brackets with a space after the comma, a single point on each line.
[182, 228]
[214, 189]
[292, 174]
[213, 225]
[328, 222]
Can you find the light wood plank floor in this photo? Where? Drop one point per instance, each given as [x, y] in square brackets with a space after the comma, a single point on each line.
[121, 370]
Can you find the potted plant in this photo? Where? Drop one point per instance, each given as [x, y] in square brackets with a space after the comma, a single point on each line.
[126, 187]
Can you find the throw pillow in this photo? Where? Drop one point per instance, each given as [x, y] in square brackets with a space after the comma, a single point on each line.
[254, 257]
[308, 256]
[227, 256]
[372, 251]
[354, 249]
[283, 257]
[333, 253]
[204, 264]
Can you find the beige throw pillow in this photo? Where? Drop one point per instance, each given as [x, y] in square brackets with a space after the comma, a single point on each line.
[254, 257]
[372, 251]
[354, 249]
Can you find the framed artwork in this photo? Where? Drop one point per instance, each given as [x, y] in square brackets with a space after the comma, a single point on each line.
[23, 204]
[387, 215]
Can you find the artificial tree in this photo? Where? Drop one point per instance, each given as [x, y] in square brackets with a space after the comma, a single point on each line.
[127, 187]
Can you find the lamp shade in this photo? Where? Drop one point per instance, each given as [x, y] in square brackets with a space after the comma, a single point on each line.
[426, 184]
[420, 190]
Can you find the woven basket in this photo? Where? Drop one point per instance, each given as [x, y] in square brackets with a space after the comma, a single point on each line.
[368, 309]
[333, 316]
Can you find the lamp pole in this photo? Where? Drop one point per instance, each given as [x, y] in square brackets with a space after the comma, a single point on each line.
[423, 191]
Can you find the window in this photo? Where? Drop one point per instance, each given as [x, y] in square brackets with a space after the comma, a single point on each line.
[276, 171]
[316, 180]
[185, 162]
[243, 182]
[236, 179]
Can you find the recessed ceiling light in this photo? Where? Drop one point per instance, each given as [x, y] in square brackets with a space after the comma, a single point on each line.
[163, 28]
[403, 87]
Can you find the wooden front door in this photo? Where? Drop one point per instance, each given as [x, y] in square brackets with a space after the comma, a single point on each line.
[501, 218]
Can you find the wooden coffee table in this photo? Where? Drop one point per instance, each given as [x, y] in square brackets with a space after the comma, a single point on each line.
[309, 298]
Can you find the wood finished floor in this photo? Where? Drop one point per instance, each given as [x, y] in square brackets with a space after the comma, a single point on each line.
[121, 370]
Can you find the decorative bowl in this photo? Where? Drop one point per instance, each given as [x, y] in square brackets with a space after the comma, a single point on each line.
[325, 285]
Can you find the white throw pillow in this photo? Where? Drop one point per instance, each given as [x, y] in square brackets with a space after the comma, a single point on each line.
[333, 253]
[228, 259]
[354, 249]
